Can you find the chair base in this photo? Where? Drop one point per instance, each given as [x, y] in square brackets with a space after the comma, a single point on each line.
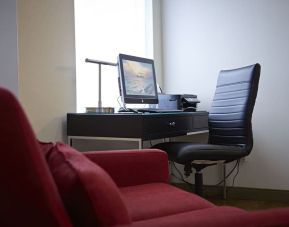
[199, 183]
[199, 177]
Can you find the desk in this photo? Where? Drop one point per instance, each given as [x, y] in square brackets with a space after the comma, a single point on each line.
[135, 127]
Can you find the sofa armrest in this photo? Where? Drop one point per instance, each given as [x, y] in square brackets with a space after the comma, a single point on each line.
[132, 167]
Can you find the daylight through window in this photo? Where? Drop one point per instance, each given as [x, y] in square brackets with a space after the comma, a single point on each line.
[103, 29]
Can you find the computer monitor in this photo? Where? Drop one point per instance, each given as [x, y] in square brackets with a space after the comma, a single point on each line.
[137, 80]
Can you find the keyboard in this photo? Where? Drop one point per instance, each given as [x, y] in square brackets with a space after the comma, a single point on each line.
[155, 110]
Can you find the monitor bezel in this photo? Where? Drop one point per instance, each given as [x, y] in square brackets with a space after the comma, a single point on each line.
[136, 99]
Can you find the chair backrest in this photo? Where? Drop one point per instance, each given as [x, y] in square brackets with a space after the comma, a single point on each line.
[232, 107]
[28, 194]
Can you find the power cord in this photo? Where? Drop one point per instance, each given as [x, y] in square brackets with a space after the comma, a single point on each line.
[119, 103]
[238, 168]
[151, 143]
[181, 177]
[229, 174]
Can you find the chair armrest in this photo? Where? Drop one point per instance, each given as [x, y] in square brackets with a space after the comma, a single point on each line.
[132, 167]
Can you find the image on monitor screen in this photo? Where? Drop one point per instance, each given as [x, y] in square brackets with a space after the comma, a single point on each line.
[137, 79]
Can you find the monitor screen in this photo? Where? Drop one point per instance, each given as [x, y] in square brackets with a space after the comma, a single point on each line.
[137, 80]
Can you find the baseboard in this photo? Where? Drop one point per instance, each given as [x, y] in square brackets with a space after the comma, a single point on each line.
[241, 193]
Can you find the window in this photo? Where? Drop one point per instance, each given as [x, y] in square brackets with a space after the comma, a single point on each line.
[103, 29]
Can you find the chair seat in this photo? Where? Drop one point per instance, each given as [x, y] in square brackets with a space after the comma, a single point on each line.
[185, 152]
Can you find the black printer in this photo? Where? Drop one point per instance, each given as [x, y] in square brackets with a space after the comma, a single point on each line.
[184, 102]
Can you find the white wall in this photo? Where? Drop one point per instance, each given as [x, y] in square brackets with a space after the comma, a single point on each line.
[8, 46]
[47, 64]
[201, 37]
[157, 41]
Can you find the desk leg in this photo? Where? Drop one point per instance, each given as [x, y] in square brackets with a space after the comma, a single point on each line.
[69, 141]
[140, 144]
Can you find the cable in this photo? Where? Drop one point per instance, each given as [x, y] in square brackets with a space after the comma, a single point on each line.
[119, 101]
[229, 174]
[161, 90]
[238, 168]
[181, 175]
[237, 165]
[151, 143]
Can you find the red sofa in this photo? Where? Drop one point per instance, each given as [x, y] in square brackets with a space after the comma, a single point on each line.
[53, 185]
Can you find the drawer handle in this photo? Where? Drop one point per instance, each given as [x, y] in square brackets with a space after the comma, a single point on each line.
[172, 124]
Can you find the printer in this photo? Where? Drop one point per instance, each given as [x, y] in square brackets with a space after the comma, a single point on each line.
[184, 102]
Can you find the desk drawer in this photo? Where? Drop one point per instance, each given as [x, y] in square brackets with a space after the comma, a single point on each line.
[166, 126]
[143, 126]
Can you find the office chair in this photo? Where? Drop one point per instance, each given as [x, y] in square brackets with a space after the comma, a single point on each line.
[230, 128]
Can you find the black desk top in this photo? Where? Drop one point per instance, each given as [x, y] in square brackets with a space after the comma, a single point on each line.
[146, 126]
[181, 113]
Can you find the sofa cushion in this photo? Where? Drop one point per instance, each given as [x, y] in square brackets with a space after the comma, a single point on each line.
[89, 194]
[214, 216]
[45, 147]
[159, 199]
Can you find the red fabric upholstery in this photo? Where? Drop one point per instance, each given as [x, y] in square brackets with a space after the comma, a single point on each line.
[222, 217]
[210, 217]
[133, 167]
[271, 217]
[158, 200]
[28, 194]
[90, 195]
[46, 147]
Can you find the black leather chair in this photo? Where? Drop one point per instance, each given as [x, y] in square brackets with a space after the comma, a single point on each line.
[230, 128]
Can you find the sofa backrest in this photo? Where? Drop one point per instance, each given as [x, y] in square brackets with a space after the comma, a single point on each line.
[29, 196]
